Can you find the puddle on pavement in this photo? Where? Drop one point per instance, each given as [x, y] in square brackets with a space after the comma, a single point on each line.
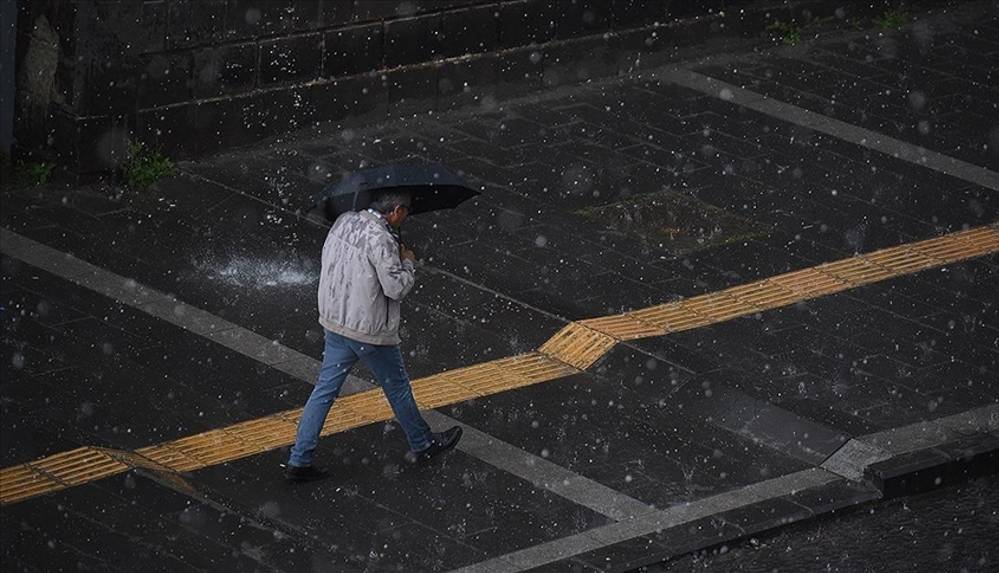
[674, 221]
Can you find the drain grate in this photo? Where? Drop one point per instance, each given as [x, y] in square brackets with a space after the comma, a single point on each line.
[574, 348]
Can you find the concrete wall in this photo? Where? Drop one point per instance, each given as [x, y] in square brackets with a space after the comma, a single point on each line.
[8, 35]
[197, 76]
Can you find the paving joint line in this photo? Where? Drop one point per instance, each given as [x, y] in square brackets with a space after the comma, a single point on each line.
[683, 75]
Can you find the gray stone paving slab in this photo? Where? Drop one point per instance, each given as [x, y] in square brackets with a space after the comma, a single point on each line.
[49, 259]
[193, 319]
[543, 473]
[708, 85]
[252, 344]
[765, 423]
[307, 368]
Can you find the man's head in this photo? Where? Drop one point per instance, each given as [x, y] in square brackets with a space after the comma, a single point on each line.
[393, 205]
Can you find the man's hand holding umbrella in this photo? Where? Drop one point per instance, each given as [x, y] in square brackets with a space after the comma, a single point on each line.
[406, 254]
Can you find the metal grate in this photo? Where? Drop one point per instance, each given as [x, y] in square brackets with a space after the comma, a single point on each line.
[573, 349]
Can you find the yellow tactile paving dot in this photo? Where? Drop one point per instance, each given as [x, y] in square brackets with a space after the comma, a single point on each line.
[78, 466]
[175, 459]
[944, 251]
[670, 317]
[507, 373]
[464, 384]
[39, 485]
[133, 459]
[810, 283]
[163, 473]
[475, 381]
[370, 405]
[167, 456]
[23, 482]
[856, 271]
[578, 346]
[623, 326]
[573, 349]
[902, 262]
[717, 307]
[537, 367]
[433, 393]
[762, 295]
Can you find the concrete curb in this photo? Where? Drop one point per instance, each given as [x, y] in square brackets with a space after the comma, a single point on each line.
[929, 468]
[878, 466]
[905, 474]
[901, 475]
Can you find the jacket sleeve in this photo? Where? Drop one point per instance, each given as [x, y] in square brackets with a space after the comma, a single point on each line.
[396, 277]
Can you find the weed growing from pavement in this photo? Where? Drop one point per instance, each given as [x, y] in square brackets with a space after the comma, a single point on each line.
[25, 173]
[892, 19]
[145, 167]
[793, 32]
[38, 173]
[790, 33]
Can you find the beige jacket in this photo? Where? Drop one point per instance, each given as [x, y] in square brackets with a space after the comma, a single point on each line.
[363, 280]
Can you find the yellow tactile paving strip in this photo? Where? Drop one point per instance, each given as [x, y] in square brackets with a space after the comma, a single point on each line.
[573, 349]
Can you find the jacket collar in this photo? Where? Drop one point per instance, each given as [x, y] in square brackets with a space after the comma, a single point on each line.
[373, 215]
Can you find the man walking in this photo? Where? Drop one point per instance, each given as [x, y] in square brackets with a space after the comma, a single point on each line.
[366, 273]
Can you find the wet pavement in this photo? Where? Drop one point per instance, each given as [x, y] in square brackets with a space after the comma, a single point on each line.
[655, 423]
[950, 529]
[933, 86]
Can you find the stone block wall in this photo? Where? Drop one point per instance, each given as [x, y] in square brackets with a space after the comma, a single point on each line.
[196, 76]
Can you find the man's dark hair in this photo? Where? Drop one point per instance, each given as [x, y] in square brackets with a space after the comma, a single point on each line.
[387, 201]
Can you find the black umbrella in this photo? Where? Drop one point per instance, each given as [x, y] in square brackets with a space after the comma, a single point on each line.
[431, 185]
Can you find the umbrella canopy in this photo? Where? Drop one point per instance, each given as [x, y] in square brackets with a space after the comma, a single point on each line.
[431, 185]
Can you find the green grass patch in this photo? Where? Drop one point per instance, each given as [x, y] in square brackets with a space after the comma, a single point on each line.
[144, 167]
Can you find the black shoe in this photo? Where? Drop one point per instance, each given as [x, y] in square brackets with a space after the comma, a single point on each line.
[441, 443]
[304, 473]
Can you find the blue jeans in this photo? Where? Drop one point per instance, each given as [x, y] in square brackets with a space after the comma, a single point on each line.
[385, 362]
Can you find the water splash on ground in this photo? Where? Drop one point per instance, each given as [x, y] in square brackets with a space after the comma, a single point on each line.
[255, 272]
